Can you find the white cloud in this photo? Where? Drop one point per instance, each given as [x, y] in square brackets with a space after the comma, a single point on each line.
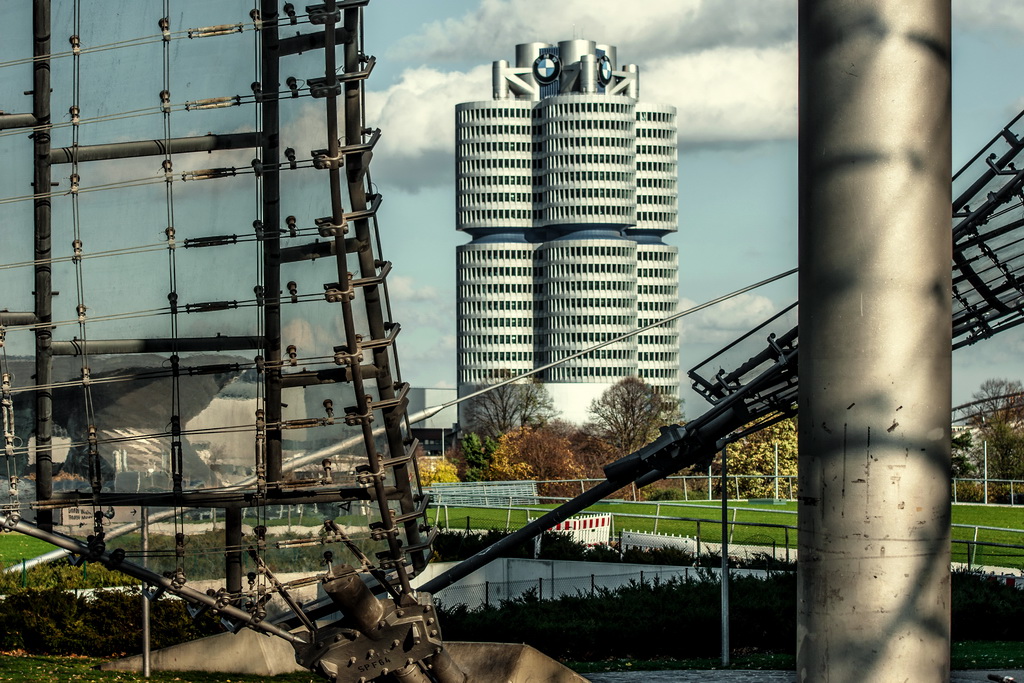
[728, 94]
[640, 30]
[417, 119]
[724, 322]
[989, 15]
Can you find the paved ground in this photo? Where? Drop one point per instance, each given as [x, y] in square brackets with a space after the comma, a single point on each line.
[754, 676]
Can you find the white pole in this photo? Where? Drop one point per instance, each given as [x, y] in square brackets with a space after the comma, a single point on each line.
[985, 452]
[776, 470]
[145, 600]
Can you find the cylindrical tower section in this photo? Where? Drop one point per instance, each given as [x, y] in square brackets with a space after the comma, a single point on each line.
[588, 74]
[611, 52]
[657, 297]
[657, 169]
[498, 81]
[494, 166]
[526, 53]
[874, 503]
[495, 293]
[587, 295]
[587, 162]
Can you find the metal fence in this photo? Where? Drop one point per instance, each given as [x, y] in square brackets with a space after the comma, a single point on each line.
[784, 486]
[486, 493]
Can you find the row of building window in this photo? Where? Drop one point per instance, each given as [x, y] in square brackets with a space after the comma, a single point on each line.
[503, 162]
[573, 177]
[496, 356]
[563, 373]
[657, 356]
[665, 306]
[559, 270]
[547, 108]
[658, 340]
[664, 199]
[491, 323]
[469, 199]
[663, 133]
[595, 285]
[655, 167]
[656, 150]
[659, 373]
[656, 273]
[480, 131]
[507, 305]
[664, 290]
[663, 183]
[558, 321]
[498, 288]
[468, 148]
[656, 116]
[466, 115]
[562, 144]
[472, 182]
[487, 255]
[655, 217]
[491, 339]
[656, 255]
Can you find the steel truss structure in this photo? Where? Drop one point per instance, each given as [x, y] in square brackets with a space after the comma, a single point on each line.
[394, 635]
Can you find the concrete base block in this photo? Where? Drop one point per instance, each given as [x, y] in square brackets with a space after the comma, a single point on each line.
[509, 663]
[245, 652]
[251, 653]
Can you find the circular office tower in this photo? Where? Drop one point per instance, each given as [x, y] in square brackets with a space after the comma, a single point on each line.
[566, 176]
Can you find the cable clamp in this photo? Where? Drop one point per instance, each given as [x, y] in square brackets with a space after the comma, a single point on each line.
[318, 15]
[328, 228]
[323, 161]
[322, 87]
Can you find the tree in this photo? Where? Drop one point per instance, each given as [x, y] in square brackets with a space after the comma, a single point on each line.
[997, 420]
[535, 453]
[517, 404]
[438, 471]
[630, 412]
[477, 453]
[755, 454]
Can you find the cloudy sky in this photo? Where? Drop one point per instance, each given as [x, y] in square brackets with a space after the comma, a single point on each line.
[729, 66]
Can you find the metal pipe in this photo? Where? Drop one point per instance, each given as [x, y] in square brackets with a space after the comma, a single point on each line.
[42, 254]
[875, 311]
[270, 67]
[725, 556]
[147, 148]
[233, 554]
[18, 318]
[99, 347]
[17, 121]
[145, 601]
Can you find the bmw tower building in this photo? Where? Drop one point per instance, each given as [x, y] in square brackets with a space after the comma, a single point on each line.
[566, 185]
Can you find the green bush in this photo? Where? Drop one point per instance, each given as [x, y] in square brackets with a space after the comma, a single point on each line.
[678, 617]
[106, 623]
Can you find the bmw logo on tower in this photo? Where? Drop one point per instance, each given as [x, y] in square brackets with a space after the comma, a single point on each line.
[546, 69]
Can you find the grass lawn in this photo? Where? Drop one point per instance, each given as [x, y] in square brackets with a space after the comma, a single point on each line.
[40, 669]
[641, 517]
[14, 547]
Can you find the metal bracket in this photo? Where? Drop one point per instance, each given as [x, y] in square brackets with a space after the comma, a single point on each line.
[320, 87]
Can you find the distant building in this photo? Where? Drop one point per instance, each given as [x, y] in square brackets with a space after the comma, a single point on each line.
[566, 185]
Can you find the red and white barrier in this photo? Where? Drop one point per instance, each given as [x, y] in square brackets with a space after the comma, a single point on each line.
[587, 529]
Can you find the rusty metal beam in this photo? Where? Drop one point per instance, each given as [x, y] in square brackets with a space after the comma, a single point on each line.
[17, 121]
[42, 254]
[100, 347]
[146, 148]
[18, 318]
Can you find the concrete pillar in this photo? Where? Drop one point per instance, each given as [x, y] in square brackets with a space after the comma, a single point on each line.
[875, 252]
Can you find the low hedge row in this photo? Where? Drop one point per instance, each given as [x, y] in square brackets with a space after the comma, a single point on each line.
[681, 618]
[101, 624]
